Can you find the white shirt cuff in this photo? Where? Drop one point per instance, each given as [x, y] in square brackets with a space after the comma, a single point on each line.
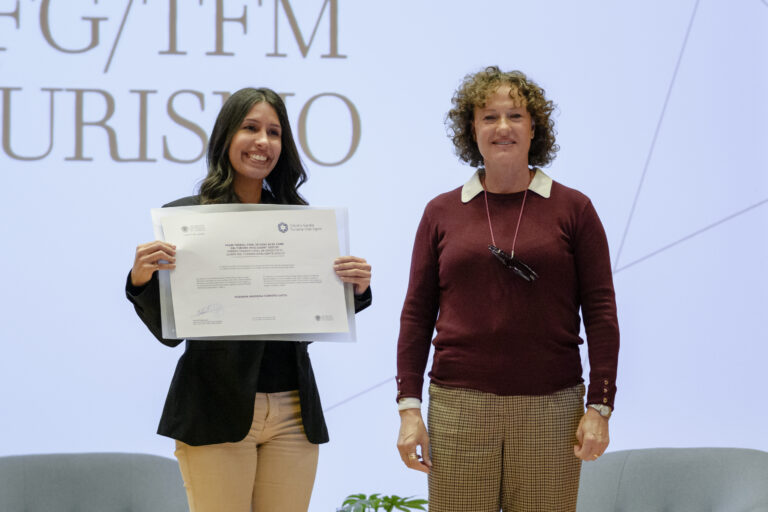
[408, 403]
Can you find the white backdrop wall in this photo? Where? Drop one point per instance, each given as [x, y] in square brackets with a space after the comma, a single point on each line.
[105, 106]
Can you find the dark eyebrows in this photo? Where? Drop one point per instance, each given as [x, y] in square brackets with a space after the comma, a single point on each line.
[487, 110]
[256, 121]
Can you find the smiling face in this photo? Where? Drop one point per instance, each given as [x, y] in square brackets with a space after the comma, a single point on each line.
[503, 129]
[255, 148]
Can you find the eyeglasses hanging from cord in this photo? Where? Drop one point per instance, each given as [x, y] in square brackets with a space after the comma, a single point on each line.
[509, 260]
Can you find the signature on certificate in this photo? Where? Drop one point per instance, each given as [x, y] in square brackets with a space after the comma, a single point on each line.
[210, 308]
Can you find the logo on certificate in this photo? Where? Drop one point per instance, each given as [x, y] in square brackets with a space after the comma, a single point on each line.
[282, 227]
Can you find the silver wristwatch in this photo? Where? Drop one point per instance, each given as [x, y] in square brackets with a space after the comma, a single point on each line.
[604, 410]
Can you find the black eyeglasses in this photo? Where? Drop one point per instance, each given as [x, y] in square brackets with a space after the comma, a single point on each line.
[517, 266]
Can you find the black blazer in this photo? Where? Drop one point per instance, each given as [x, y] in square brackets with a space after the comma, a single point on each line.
[213, 390]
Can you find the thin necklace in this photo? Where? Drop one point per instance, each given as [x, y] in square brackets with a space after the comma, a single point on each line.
[519, 217]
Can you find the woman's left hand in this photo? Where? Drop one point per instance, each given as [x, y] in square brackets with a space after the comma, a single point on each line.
[352, 269]
[592, 436]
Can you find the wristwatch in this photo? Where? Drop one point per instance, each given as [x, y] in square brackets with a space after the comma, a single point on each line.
[604, 410]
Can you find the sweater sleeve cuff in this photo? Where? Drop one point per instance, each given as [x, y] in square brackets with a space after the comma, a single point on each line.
[602, 391]
[409, 387]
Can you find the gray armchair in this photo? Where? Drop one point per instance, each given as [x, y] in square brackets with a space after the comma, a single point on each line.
[676, 479]
[91, 482]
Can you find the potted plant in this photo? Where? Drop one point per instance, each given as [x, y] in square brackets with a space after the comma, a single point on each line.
[363, 503]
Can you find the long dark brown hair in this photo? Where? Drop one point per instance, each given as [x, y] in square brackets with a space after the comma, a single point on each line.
[287, 176]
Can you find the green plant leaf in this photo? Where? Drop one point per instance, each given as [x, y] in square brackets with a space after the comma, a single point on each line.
[353, 498]
[362, 503]
[410, 504]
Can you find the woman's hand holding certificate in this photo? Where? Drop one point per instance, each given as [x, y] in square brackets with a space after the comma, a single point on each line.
[157, 255]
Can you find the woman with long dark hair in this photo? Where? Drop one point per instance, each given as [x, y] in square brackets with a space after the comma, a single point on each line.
[246, 415]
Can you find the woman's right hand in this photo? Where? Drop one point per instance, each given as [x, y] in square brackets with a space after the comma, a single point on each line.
[413, 434]
[152, 256]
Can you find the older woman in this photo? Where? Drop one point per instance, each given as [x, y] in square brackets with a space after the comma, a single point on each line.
[245, 415]
[501, 268]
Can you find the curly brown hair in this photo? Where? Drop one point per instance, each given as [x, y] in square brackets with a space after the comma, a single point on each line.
[474, 92]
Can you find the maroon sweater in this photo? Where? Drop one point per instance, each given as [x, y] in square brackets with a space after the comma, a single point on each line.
[496, 332]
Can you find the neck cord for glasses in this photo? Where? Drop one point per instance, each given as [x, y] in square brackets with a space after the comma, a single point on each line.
[519, 217]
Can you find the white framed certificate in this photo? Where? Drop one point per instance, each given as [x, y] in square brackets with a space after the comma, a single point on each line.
[255, 272]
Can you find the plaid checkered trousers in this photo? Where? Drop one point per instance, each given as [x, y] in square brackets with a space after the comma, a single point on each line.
[510, 453]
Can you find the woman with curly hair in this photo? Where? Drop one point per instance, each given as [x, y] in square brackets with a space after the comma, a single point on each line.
[246, 415]
[501, 268]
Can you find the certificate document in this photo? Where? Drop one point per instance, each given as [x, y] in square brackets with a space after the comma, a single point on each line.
[255, 273]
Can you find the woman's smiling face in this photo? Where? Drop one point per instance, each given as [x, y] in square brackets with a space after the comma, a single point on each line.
[503, 128]
[256, 145]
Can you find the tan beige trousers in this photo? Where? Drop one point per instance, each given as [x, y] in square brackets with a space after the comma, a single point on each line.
[513, 453]
[272, 469]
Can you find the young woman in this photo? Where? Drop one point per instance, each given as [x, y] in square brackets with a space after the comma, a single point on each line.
[246, 415]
